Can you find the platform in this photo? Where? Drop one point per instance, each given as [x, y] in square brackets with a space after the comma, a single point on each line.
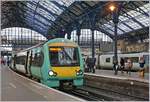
[110, 73]
[18, 88]
[125, 84]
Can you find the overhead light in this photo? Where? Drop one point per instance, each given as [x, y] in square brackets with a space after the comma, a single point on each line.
[112, 7]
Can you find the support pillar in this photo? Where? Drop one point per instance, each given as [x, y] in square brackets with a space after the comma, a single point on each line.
[115, 21]
[78, 34]
[93, 47]
[115, 44]
[92, 22]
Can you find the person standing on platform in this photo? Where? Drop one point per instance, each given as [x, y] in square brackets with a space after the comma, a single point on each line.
[91, 64]
[129, 66]
[88, 64]
[141, 64]
[122, 64]
[115, 67]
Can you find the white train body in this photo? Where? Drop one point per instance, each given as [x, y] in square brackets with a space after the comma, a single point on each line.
[106, 61]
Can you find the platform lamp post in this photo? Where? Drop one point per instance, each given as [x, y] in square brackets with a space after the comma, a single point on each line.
[115, 16]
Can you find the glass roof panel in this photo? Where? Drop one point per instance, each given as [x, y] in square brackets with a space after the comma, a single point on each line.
[28, 20]
[108, 25]
[122, 18]
[143, 19]
[42, 19]
[110, 31]
[146, 7]
[123, 27]
[119, 31]
[40, 24]
[133, 13]
[32, 6]
[40, 28]
[137, 15]
[45, 11]
[30, 13]
[133, 24]
[45, 14]
[65, 2]
[52, 7]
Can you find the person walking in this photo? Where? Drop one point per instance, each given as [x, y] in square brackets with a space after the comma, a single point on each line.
[141, 64]
[129, 66]
[8, 62]
[122, 65]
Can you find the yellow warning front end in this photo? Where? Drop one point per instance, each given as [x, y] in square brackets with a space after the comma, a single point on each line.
[66, 72]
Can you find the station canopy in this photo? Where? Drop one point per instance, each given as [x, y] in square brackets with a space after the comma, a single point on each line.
[51, 17]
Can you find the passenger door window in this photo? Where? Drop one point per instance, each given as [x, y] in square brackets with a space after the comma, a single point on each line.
[37, 59]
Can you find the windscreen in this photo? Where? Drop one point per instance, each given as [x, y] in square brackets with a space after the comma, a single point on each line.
[64, 56]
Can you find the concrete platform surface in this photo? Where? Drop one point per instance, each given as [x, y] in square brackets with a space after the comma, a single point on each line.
[110, 73]
[17, 88]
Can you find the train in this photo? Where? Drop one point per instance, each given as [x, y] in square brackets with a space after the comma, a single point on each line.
[55, 63]
[105, 61]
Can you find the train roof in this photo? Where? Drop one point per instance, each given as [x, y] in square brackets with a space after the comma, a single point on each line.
[123, 53]
[56, 40]
[59, 41]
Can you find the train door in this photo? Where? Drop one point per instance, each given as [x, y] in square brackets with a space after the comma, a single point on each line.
[37, 62]
[21, 61]
[26, 63]
[29, 62]
[146, 58]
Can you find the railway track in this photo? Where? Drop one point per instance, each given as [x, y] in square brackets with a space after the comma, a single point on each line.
[110, 95]
[88, 95]
[83, 94]
[94, 94]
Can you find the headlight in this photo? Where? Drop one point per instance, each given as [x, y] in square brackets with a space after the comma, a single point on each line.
[79, 72]
[51, 73]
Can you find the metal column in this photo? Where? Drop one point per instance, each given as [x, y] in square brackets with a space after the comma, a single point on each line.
[92, 22]
[115, 44]
[93, 48]
[78, 39]
[115, 20]
[78, 34]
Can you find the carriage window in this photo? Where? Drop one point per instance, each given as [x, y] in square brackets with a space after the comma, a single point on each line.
[133, 59]
[20, 60]
[37, 59]
[108, 60]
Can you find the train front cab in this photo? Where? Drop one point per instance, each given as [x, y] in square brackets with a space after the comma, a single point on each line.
[65, 65]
